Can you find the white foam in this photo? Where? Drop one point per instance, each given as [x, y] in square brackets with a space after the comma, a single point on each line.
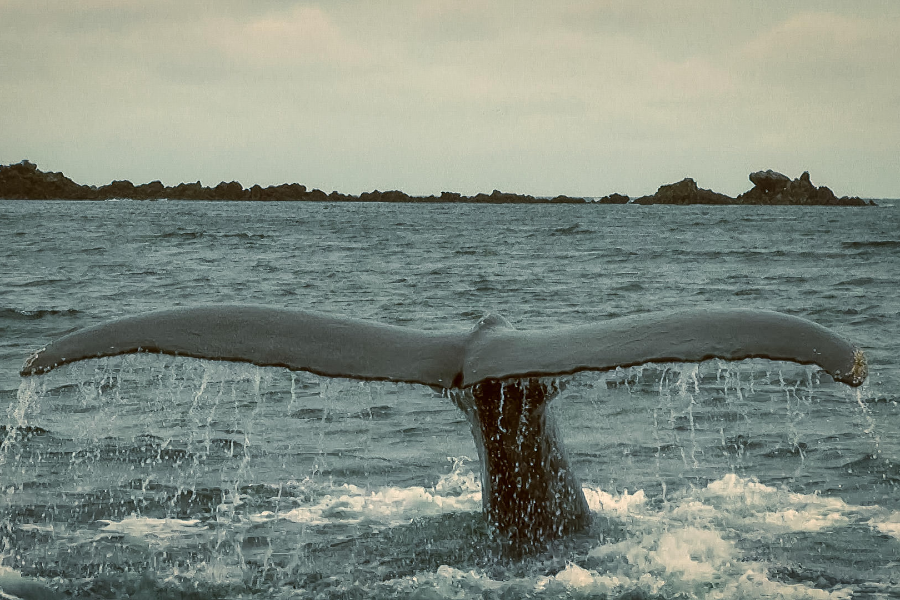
[44, 528]
[682, 559]
[455, 492]
[618, 505]
[390, 506]
[887, 525]
[733, 580]
[748, 504]
[754, 584]
[590, 582]
[7, 572]
[686, 546]
[157, 531]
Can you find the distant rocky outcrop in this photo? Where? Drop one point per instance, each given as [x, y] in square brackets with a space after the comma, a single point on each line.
[613, 199]
[24, 181]
[769, 181]
[771, 187]
[685, 191]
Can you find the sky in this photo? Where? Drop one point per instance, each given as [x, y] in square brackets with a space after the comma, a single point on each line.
[578, 97]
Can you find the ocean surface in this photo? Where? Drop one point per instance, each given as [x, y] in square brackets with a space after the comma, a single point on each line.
[148, 476]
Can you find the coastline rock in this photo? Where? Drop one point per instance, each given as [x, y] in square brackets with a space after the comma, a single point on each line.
[562, 199]
[389, 196]
[771, 187]
[150, 191]
[287, 191]
[498, 197]
[770, 181]
[190, 191]
[24, 181]
[614, 199]
[228, 191]
[685, 191]
[117, 189]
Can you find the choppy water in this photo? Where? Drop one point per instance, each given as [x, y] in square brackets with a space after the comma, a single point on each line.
[149, 476]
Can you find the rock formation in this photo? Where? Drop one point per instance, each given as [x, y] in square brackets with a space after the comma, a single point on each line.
[685, 191]
[769, 181]
[24, 181]
[771, 187]
[614, 199]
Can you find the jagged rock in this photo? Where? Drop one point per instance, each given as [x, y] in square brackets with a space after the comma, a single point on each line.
[117, 189]
[291, 191]
[562, 199]
[317, 196]
[770, 181]
[255, 192]
[153, 190]
[24, 181]
[228, 191]
[614, 199]
[498, 197]
[389, 196]
[770, 187]
[189, 191]
[685, 191]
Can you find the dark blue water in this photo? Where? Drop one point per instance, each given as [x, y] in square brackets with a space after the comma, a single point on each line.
[171, 477]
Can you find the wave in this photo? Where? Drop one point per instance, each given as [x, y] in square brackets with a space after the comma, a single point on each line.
[576, 229]
[181, 234]
[35, 282]
[193, 235]
[864, 281]
[412, 541]
[871, 244]
[876, 467]
[17, 314]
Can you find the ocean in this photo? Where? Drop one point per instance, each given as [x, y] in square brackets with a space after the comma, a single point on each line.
[150, 476]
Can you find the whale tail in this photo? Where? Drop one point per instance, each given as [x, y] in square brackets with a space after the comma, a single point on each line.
[343, 347]
[530, 494]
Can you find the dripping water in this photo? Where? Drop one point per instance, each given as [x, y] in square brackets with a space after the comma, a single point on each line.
[250, 480]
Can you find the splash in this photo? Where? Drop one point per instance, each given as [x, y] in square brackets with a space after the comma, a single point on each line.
[192, 477]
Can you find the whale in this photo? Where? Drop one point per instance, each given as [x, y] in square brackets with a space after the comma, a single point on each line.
[502, 378]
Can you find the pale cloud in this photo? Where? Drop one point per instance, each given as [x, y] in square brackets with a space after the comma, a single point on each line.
[827, 79]
[827, 51]
[302, 36]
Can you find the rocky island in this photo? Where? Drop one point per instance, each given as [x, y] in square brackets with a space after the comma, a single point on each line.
[24, 181]
[769, 187]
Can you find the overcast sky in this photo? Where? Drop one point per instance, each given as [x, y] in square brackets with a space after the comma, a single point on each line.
[581, 97]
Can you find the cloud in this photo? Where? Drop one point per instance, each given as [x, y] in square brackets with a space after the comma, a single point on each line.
[823, 79]
[302, 36]
[825, 51]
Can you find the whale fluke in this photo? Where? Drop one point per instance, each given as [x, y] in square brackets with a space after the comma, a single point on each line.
[343, 347]
[493, 371]
[678, 336]
[270, 337]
